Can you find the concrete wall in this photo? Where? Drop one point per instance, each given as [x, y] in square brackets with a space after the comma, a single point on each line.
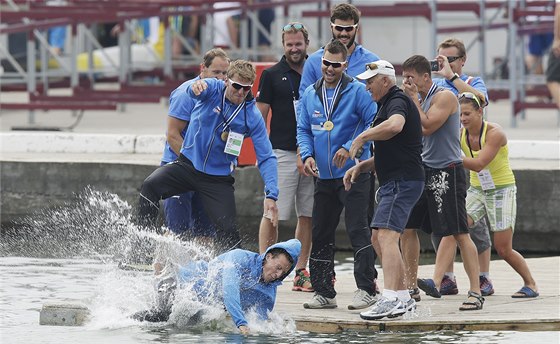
[28, 186]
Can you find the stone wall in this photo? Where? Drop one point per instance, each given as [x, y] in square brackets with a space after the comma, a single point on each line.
[29, 186]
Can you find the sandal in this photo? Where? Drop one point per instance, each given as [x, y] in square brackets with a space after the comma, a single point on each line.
[472, 305]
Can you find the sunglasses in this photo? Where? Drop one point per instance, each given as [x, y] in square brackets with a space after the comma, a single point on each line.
[334, 64]
[453, 58]
[239, 86]
[471, 96]
[295, 26]
[346, 28]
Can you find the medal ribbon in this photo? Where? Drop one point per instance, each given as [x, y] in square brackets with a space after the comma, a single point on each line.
[228, 121]
[329, 107]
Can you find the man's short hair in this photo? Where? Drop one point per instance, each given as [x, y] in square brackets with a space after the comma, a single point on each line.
[337, 47]
[243, 69]
[211, 54]
[292, 29]
[417, 63]
[345, 12]
[454, 42]
[275, 252]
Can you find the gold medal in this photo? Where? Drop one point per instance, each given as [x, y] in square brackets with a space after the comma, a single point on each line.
[224, 135]
[328, 125]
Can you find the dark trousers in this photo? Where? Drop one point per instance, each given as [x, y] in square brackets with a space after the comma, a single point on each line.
[330, 198]
[180, 176]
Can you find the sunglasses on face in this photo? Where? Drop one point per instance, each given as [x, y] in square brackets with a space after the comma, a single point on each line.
[453, 58]
[346, 28]
[334, 64]
[295, 26]
[471, 96]
[239, 86]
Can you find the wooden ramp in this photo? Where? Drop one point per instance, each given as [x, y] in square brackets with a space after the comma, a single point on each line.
[500, 312]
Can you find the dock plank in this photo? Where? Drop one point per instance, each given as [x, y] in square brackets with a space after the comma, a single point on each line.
[500, 312]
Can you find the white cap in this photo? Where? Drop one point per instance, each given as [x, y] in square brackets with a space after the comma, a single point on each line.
[377, 67]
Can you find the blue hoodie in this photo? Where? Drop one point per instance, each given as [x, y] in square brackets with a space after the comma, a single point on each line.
[353, 112]
[234, 278]
[180, 107]
[204, 147]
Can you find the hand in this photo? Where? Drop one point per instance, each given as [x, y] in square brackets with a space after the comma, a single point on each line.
[270, 211]
[340, 157]
[309, 167]
[244, 330]
[198, 87]
[350, 176]
[445, 71]
[410, 88]
[357, 147]
[556, 47]
[299, 165]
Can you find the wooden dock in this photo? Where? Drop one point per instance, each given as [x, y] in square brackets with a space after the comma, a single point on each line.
[501, 311]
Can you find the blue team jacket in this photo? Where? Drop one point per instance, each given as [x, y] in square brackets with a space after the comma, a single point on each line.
[234, 278]
[204, 147]
[353, 113]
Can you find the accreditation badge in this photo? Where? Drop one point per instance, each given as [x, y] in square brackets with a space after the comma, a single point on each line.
[234, 143]
[486, 181]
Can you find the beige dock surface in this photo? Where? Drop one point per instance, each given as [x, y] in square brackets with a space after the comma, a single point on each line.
[500, 312]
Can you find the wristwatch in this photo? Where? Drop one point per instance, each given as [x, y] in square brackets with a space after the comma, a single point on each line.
[455, 76]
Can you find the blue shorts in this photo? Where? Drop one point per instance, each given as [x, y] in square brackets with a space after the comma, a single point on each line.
[395, 202]
[539, 43]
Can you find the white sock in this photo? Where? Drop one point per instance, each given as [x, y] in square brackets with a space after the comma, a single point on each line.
[451, 275]
[403, 295]
[390, 294]
[485, 274]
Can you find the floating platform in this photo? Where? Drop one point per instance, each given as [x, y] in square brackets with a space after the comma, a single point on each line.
[501, 312]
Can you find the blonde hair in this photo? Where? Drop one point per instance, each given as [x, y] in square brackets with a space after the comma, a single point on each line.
[454, 42]
[243, 69]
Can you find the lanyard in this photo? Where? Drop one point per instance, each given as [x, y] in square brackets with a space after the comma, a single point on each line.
[329, 107]
[432, 90]
[292, 86]
[479, 138]
[228, 121]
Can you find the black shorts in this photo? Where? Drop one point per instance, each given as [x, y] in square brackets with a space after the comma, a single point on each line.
[441, 209]
[553, 69]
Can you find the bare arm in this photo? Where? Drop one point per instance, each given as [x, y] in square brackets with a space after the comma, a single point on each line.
[175, 127]
[495, 139]
[443, 105]
[264, 108]
[382, 132]
[459, 84]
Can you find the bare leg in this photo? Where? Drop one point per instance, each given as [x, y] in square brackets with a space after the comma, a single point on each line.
[393, 267]
[410, 249]
[375, 244]
[554, 88]
[470, 260]
[484, 260]
[268, 234]
[502, 243]
[445, 256]
[303, 234]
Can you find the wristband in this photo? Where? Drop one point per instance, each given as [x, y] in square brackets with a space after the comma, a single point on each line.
[455, 76]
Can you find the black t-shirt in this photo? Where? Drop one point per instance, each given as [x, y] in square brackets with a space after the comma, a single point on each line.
[399, 158]
[278, 87]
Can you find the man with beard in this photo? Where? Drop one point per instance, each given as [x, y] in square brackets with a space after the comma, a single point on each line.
[333, 111]
[278, 91]
[345, 19]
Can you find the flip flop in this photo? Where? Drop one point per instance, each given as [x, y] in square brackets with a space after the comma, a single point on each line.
[525, 293]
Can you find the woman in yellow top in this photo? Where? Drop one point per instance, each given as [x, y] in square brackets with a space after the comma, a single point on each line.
[492, 191]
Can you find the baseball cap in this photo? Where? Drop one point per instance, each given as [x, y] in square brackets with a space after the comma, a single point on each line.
[377, 67]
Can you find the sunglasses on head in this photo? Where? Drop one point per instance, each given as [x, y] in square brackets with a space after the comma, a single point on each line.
[471, 96]
[239, 86]
[334, 64]
[453, 58]
[295, 26]
[346, 28]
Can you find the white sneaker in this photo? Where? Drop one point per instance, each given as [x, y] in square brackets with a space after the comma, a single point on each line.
[320, 302]
[362, 299]
[383, 307]
[409, 306]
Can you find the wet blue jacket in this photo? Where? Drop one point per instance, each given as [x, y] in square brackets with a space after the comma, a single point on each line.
[353, 112]
[180, 107]
[234, 278]
[204, 147]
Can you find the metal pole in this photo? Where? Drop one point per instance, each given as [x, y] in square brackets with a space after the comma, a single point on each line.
[167, 51]
[512, 30]
[482, 39]
[44, 68]
[433, 26]
[31, 82]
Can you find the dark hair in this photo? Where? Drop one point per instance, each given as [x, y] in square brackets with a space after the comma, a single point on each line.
[345, 12]
[418, 63]
[473, 102]
[277, 251]
[337, 47]
[211, 54]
